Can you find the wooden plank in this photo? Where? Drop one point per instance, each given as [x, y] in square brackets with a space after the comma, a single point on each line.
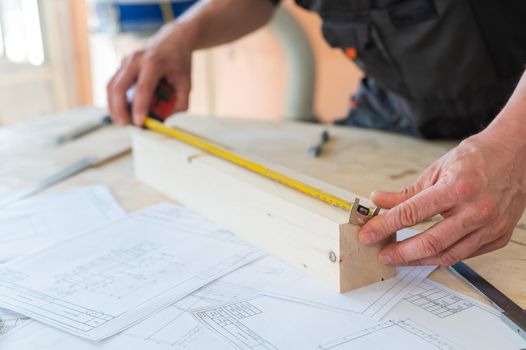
[307, 233]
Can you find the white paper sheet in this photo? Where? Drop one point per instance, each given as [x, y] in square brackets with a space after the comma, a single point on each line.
[457, 317]
[10, 320]
[431, 317]
[101, 282]
[242, 311]
[266, 322]
[173, 329]
[38, 222]
[270, 276]
[273, 277]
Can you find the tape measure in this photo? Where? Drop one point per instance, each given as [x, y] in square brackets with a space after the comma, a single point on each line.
[164, 97]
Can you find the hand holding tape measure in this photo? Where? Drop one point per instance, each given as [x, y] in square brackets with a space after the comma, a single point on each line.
[166, 61]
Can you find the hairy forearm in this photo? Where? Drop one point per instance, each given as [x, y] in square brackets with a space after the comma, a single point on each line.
[510, 124]
[215, 22]
[509, 129]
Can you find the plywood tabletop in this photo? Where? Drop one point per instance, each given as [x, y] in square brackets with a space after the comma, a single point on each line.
[356, 160]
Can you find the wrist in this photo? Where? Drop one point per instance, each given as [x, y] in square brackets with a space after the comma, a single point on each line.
[508, 134]
[183, 35]
[509, 130]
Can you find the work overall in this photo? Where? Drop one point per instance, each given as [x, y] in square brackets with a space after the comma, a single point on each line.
[434, 68]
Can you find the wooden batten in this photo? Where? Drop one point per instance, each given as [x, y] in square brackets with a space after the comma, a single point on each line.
[307, 233]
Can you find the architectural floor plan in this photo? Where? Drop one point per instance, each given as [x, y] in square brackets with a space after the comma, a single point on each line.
[100, 283]
[40, 221]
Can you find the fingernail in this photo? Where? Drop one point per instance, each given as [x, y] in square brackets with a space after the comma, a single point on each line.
[386, 259]
[367, 238]
[137, 119]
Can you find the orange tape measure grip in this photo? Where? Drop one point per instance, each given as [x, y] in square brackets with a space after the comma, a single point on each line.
[163, 100]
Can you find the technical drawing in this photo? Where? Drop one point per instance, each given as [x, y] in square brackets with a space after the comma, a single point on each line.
[35, 223]
[10, 320]
[437, 301]
[273, 277]
[379, 337]
[103, 281]
[169, 327]
[22, 227]
[174, 327]
[225, 320]
[119, 273]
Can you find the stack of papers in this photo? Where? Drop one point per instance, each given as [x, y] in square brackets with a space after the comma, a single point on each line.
[99, 283]
[38, 222]
[167, 278]
[9, 320]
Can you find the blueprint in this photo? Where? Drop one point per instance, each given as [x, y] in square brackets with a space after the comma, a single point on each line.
[175, 328]
[431, 317]
[10, 320]
[102, 282]
[273, 277]
[268, 305]
[38, 222]
[228, 316]
[266, 322]
[461, 319]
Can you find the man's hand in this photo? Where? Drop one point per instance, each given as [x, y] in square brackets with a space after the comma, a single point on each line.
[478, 188]
[168, 55]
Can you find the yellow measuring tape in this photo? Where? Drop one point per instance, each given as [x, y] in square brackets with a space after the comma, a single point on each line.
[232, 157]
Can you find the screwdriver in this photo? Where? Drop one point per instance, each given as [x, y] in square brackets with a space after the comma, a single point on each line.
[315, 151]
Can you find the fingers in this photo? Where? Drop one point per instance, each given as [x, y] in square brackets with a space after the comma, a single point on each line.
[149, 77]
[388, 200]
[433, 242]
[452, 255]
[182, 93]
[118, 86]
[144, 70]
[480, 241]
[429, 202]
[499, 243]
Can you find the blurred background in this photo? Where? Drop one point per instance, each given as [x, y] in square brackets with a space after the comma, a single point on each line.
[56, 55]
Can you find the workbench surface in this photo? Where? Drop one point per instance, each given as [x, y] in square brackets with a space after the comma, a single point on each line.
[356, 160]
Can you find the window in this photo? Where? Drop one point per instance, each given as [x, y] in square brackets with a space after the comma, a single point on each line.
[40, 57]
[21, 32]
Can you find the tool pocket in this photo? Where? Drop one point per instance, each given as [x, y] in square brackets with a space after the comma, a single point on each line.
[347, 33]
[436, 46]
[359, 34]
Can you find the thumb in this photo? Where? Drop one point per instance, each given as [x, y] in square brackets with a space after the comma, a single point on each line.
[388, 200]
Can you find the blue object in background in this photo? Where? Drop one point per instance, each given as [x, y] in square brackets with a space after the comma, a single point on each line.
[139, 17]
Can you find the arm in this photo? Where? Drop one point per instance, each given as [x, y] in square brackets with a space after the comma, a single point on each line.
[479, 188]
[215, 22]
[169, 52]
